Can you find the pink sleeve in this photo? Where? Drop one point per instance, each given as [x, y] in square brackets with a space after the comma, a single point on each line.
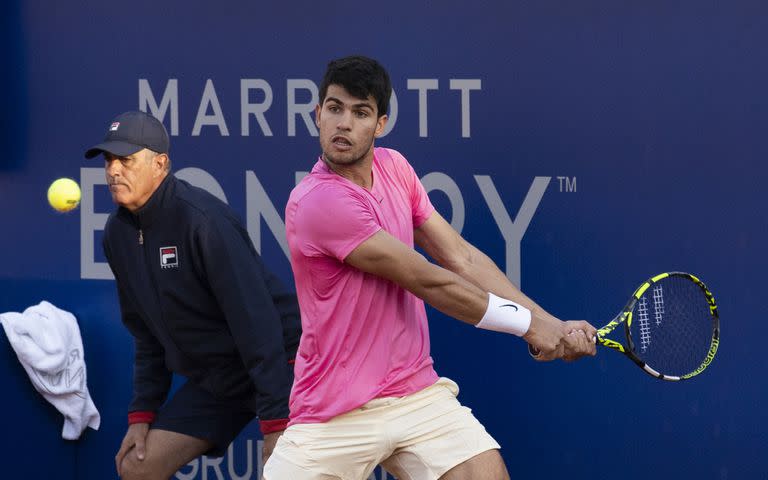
[333, 222]
[421, 206]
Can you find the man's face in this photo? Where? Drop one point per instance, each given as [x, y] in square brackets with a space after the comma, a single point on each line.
[347, 126]
[134, 178]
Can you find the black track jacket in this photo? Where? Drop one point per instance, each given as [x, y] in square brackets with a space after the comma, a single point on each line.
[199, 302]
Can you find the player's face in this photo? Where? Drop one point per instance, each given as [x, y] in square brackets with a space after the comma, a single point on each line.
[347, 126]
[134, 178]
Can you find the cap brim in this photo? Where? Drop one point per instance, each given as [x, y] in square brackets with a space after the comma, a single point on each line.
[115, 147]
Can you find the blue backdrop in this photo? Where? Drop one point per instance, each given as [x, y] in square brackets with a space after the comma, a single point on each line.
[631, 135]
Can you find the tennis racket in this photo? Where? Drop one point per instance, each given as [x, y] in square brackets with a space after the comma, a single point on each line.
[671, 327]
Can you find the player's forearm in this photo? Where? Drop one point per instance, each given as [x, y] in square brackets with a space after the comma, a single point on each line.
[482, 272]
[449, 293]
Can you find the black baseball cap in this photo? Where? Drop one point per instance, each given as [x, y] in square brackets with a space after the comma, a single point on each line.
[130, 132]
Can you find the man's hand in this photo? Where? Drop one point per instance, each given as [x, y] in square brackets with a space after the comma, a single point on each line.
[545, 335]
[270, 440]
[135, 437]
[579, 341]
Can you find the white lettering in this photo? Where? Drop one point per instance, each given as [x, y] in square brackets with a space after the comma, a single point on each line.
[422, 85]
[90, 222]
[203, 463]
[512, 231]
[202, 179]
[147, 102]
[169, 105]
[444, 183]
[212, 463]
[302, 109]
[465, 86]
[256, 109]
[216, 118]
[259, 205]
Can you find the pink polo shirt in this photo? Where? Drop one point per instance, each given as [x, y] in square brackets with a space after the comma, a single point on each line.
[363, 337]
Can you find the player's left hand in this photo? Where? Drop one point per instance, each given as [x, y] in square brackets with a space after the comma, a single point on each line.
[270, 440]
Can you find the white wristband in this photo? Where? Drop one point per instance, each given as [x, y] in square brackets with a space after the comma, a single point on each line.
[505, 316]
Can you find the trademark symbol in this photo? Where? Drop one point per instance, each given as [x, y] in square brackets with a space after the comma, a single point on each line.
[567, 184]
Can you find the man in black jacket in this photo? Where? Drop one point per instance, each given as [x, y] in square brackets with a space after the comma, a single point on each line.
[198, 301]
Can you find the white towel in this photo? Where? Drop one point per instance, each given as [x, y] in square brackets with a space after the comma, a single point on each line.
[47, 342]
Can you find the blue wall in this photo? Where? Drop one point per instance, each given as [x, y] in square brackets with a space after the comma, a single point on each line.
[658, 110]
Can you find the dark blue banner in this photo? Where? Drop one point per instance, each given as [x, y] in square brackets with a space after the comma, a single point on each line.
[584, 146]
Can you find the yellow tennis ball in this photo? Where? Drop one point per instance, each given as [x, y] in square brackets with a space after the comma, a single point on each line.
[64, 194]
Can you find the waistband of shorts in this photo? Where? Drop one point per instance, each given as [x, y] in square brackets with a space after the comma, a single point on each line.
[424, 392]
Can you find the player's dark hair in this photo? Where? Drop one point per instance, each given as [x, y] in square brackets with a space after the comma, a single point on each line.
[360, 76]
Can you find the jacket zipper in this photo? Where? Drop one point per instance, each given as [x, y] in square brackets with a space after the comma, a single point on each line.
[141, 237]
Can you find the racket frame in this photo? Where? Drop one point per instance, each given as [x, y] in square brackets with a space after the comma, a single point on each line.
[625, 318]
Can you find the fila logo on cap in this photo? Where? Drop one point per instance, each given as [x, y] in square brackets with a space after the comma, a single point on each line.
[113, 127]
[169, 257]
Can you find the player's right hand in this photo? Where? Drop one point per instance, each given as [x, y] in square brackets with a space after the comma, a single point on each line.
[135, 438]
[579, 340]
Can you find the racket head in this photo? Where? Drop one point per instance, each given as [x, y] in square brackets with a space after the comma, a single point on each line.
[672, 326]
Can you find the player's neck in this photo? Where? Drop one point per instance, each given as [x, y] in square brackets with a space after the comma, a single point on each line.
[358, 172]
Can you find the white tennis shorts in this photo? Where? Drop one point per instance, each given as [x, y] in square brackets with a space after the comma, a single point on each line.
[417, 437]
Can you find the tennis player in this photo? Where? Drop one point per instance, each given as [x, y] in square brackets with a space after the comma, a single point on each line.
[365, 390]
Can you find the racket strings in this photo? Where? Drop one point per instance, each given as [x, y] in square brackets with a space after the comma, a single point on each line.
[672, 326]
